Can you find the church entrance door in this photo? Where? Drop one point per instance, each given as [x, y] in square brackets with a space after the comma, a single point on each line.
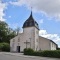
[18, 48]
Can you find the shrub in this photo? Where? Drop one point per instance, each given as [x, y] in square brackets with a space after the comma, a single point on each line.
[58, 48]
[4, 47]
[50, 53]
[55, 53]
[36, 53]
[1, 46]
[28, 51]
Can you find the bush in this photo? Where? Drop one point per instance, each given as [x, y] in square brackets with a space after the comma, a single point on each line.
[28, 51]
[55, 53]
[1, 46]
[50, 53]
[58, 48]
[36, 53]
[4, 47]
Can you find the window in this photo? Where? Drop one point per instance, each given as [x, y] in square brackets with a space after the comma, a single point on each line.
[13, 45]
[18, 44]
[52, 44]
[18, 39]
[13, 40]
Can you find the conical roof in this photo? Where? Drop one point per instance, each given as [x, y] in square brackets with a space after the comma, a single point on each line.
[30, 22]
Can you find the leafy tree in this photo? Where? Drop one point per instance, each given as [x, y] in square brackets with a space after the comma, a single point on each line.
[3, 30]
[6, 33]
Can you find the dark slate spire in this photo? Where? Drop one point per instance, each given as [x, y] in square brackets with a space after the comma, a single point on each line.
[31, 17]
[30, 22]
[31, 14]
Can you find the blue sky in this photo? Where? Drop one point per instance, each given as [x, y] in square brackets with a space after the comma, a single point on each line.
[15, 12]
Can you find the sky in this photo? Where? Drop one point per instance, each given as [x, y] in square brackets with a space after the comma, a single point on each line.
[45, 12]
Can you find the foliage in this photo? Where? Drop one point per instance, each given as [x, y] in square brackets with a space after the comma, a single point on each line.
[28, 51]
[6, 33]
[58, 48]
[54, 53]
[4, 47]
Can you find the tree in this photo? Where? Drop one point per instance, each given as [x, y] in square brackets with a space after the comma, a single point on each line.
[3, 30]
[17, 30]
[6, 33]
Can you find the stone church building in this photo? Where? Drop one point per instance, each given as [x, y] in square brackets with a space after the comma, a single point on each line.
[30, 38]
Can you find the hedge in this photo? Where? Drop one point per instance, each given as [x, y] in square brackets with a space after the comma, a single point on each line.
[55, 53]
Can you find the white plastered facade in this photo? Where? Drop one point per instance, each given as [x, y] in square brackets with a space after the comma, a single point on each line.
[34, 41]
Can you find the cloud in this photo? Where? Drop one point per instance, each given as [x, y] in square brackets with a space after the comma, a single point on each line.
[41, 21]
[50, 7]
[14, 25]
[9, 16]
[54, 37]
[2, 8]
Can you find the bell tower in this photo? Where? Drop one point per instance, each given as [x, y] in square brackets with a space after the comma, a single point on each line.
[31, 31]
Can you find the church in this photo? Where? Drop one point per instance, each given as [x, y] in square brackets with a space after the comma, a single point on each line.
[30, 38]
